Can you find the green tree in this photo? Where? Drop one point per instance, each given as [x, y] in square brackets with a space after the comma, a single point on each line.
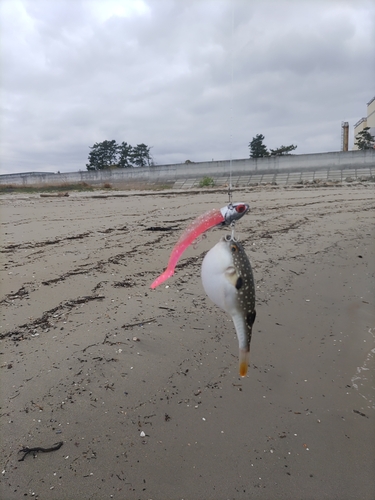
[108, 154]
[364, 139]
[141, 155]
[257, 148]
[125, 152]
[282, 150]
[102, 155]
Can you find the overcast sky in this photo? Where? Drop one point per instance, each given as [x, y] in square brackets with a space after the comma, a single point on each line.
[159, 72]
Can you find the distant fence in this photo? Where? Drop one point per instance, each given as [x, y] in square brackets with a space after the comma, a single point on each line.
[171, 173]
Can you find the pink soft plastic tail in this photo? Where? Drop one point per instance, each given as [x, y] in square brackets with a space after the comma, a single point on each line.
[200, 225]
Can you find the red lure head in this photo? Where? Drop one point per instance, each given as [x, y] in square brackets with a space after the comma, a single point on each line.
[233, 212]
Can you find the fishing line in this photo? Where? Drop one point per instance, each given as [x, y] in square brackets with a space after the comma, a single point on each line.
[231, 106]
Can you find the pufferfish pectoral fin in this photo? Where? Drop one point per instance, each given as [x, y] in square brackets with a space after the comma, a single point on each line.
[232, 276]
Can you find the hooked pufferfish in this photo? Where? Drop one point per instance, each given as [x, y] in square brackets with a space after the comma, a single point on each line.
[228, 281]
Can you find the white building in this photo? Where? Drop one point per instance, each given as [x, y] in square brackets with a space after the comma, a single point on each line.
[368, 121]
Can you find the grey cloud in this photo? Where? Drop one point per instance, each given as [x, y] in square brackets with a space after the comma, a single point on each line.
[76, 74]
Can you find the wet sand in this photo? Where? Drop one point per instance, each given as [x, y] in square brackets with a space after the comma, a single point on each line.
[142, 386]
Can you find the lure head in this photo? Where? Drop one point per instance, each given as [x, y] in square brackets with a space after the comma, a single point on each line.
[233, 212]
[228, 280]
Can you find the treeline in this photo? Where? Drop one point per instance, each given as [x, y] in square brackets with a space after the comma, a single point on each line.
[109, 154]
[259, 150]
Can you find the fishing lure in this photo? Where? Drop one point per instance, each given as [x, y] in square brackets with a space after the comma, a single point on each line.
[213, 218]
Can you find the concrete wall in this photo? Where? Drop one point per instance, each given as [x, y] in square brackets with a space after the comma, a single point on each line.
[170, 173]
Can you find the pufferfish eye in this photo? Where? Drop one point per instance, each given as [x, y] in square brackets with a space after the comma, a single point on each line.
[234, 248]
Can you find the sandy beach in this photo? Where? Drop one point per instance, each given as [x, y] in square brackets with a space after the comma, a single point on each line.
[141, 386]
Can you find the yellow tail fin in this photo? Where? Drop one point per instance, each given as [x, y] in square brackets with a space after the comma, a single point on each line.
[244, 362]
